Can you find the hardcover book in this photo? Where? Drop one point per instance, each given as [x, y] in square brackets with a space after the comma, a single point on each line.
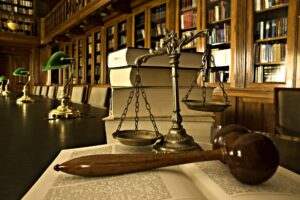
[127, 57]
[194, 181]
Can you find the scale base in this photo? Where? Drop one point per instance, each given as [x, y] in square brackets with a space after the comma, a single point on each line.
[64, 112]
[24, 99]
[176, 140]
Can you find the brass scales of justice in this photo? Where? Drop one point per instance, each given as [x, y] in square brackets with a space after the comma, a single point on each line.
[177, 139]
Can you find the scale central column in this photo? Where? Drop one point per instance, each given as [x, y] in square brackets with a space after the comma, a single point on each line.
[177, 139]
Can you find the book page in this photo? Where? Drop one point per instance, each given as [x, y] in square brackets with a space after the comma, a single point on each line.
[164, 183]
[215, 181]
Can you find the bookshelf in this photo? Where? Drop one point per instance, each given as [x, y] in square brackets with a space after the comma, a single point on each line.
[150, 22]
[272, 44]
[139, 29]
[19, 11]
[157, 25]
[122, 34]
[218, 21]
[270, 41]
[110, 38]
[188, 22]
[114, 38]
[97, 58]
[88, 60]
[80, 60]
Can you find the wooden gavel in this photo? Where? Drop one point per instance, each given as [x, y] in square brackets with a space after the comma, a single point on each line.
[252, 158]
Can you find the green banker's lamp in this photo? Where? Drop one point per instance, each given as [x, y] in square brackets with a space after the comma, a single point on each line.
[25, 73]
[61, 60]
[4, 92]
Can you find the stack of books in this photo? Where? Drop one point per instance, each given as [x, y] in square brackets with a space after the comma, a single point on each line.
[157, 83]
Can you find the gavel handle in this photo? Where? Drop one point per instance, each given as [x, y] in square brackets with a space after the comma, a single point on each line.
[112, 164]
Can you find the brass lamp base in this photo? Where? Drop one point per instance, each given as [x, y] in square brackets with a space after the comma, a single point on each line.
[5, 93]
[24, 99]
[175, 141]
[64, 112]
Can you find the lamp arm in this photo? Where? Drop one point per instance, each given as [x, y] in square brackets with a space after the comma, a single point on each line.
[29, 78]
[6, 86]
[68, 83]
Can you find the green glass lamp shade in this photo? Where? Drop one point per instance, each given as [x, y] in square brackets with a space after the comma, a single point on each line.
[58, 60]
[44, 68]
[21, 72]
[3, 78]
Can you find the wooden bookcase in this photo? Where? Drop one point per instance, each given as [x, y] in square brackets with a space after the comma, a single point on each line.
[114, 37]
[88, 61]
[21, 12]
[217, 17]
[188, 18]
[77, 52]
[150, 22]
[139, 19]
[96, 57]
[271, 44]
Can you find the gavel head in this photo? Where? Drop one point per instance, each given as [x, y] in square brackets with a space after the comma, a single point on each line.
[228, 135]
[252, 158]
[219, 141]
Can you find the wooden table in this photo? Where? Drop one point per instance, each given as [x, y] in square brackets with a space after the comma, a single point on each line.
[29, 141]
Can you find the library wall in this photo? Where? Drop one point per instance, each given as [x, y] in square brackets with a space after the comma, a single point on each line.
[241, 31]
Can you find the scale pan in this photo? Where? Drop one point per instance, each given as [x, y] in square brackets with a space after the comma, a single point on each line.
[211, 106]
[137, 138]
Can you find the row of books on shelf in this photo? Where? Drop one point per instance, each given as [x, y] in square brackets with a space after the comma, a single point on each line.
[140, 34]
[158, 43]
[222, 57]
[270, 52]
[193, 43]
[271, 28]
[158, 14]
[98, 58]
[140, 19]
[122, 40]
[25, 3]
[187, 4]
[188, 19]
[218, 76]
[110, 43]
[98, 47]
[98, 36]
[267, 74]
[266, 4]
[111, 31]
[159, 29]
[219, 12]
[21, 26]
[89, 49]
[89, 61]
[16, 9]
[220, 34]
[122, 26]
[97, 69]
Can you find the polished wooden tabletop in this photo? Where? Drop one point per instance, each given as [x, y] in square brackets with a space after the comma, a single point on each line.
[29, 141]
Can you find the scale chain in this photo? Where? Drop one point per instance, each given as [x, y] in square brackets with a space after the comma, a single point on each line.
[221, 84]
[123, 116]
[137, 95]
[137, 87]
[204, 59]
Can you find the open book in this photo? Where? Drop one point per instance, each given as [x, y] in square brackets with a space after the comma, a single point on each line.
[194, 181]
